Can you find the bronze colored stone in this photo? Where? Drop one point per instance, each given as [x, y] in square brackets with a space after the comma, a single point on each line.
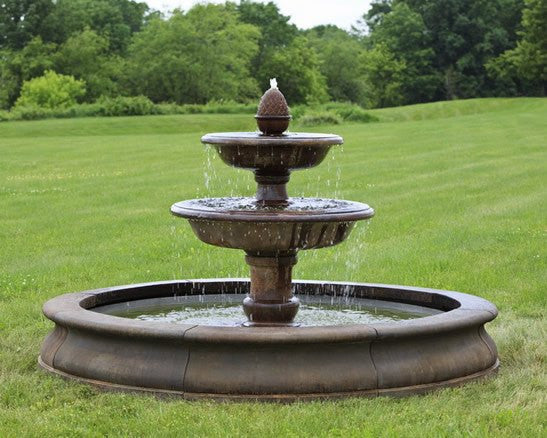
[273, 103]
[271, 300]
[272, 125]
[270, 363]
[270, 357]
[272, 158]
[272, 233]
[273, 115]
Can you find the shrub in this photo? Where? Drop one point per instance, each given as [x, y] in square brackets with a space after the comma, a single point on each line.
[348, 112]
[193, 108]
[297, 111]
[124, 106]
[351, 112]
[50, 91]
[31, 112]
[320, 118]
[229, 107]
[83, 110]
[171, 108]
[127, 106]
[334, 112]
[213, 107]
[5, 116]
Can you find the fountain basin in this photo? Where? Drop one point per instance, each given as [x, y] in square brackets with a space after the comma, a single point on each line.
[272, 157]
[238, 223]
[197, 361]
[269, 154]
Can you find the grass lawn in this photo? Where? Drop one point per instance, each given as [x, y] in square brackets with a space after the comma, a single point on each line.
[460, 192]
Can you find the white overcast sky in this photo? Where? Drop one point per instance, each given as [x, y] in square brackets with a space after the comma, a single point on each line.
[303, 13]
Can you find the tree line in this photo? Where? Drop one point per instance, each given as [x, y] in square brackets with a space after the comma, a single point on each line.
[57, 52]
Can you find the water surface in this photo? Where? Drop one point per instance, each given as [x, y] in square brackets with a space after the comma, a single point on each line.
[296, 204]
[226, 310]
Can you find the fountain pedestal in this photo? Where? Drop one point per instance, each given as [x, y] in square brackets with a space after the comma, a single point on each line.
[272, 189]
[271, 300]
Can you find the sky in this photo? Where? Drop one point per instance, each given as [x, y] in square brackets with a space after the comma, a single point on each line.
[303, 13]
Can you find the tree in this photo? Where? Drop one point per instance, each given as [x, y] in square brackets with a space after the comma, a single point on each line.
[51, 91]
[9, 83]
[339, 53]
[297, 71]
[19, 66]
[115, 20]
[21, 20]
[276, 33]
[374, 16]
[195, 57]
[525, 66]
[85, 56]
[404, 34]
[465, 35]
[383, 75]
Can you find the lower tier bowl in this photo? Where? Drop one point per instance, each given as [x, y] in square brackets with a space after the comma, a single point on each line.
[447, 347]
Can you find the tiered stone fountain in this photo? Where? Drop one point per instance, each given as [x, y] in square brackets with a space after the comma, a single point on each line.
[399, 340]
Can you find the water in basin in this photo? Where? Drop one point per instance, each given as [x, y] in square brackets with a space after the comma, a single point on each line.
[226, 310]
[294, 205]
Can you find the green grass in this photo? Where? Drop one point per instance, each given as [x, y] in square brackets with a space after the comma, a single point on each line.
[460, 191]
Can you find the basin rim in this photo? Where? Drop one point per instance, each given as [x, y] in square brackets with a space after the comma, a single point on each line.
[73, 311]
[294, 139]
[357, 211]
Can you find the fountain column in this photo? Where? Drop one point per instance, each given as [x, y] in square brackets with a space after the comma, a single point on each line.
[271, 300]
[272, 189]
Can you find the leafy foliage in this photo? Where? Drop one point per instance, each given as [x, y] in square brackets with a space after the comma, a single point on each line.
[320, 118]
[341, 111]
[85, 55]
[51, 91]
[123, 106]
[128, 106]
[384, 75]
[400, 52]
[297, 69]
[276, 33]
[465, 35]
[18, 66]
[404, 34]
[525, 66]
[194, 57]
[22, 20]
[115, 20]
[339, 53]
[350, 112]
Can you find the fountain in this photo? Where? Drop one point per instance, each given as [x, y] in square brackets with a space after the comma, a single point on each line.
[190, 338]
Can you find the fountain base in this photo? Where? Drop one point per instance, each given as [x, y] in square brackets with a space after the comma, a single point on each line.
[271, 301]
[280, 398]
[273, 313]
[270, 324]
[195, 361]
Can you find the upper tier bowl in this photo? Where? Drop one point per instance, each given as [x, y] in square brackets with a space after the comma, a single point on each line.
[272, 155]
